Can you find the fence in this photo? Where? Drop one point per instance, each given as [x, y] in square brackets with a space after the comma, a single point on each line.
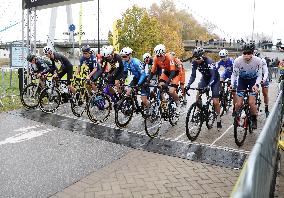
[258, 176]
[9, 85]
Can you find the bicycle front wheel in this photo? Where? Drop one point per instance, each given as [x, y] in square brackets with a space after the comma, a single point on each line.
[124, 111]
[193, 122]
[79, 103]
[211, 116]
[30, 95]
[98, 107]
[153, 120]
[49, 100]
[173, 114]
[241, 124]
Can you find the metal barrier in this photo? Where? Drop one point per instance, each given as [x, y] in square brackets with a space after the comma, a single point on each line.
[258, 176]
[9, 84]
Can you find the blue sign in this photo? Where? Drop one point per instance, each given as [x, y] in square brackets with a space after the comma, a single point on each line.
[72, 28]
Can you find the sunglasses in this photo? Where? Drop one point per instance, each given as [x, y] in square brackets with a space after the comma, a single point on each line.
[85, 52]
[124, 56]
[222, 56]
[247, 53]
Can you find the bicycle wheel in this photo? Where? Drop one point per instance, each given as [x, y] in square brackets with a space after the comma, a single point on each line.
[173, 115]
[258, 101]
[30, 95]
[193, 122]
[49, 100]
[153, 120]
[124, 111]
[223, 106]
[79, 105]
[98, 107]
[211, 115]
[241, 124]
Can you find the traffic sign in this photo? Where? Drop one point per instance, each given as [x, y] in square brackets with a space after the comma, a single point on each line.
[72, 28]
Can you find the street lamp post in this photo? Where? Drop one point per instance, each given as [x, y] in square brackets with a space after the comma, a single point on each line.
[98, 26]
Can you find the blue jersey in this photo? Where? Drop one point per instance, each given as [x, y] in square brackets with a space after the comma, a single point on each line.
[136, 68]
[227, 64]
[206, 68]
[91, 62]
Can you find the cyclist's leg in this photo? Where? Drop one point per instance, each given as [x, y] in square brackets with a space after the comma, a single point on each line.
[265, 86]
[172, 89]
[145, 93]
[117, 82]
[94, 78]
[215, 88]
[162, 81]
[69, 72]
[241, 85]
[202, 84]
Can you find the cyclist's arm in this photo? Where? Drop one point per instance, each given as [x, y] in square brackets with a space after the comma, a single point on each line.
[192, 76]
[235, 73]
[212, 73]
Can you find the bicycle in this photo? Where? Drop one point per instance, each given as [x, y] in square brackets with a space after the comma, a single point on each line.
[225, 97]
[51, 97]
[199, 112]
[29, 96]
[127, 106]
[159, 110]
[242, 120]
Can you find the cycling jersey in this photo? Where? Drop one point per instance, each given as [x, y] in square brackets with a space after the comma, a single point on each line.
[116, 71]
[136, 68]
[206, 68]
[228, 65]
[148, 66]
[91, 62]
[41, 66]
[168, 64]
[247, 70]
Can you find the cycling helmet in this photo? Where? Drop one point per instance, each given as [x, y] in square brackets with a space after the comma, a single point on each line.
[107, 51]
[223, 53]
[47, 50]
[126, 51]
[249, 47]
[256, 53]
[30, 57]
[86, 48]
[173, 53]
[146, 55]
[198, 52]
[160, 50]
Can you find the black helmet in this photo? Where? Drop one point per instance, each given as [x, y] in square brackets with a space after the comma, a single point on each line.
[86, 48]
[256, 53]
[30, 57]
[198, 52]
[249, 47]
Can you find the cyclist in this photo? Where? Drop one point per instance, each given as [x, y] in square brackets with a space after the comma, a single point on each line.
[264, 82]
[179, 64]
[115, 73]
[227, 63]
[90, 60]
[281, 69]
[136, 68]
[247, 69]
[210, 78]
[39, 67]
[170, 75]
[66, 66]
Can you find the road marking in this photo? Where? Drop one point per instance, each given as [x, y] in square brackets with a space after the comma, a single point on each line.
[222, 135]
[178, 137]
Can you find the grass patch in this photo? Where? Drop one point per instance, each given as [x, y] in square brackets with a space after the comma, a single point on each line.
[9, 91]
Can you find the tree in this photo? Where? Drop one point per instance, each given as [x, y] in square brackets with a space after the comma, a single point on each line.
[138, 31]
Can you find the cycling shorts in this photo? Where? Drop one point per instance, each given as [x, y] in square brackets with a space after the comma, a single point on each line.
[175, 80]
[243, 84]
[215, 87]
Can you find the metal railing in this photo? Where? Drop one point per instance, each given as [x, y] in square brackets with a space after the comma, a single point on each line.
[258, 176]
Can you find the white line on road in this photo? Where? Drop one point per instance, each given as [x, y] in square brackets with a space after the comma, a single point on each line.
[222, 135]
[178, 137]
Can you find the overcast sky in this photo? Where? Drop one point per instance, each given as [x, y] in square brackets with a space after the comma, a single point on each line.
[233, 18]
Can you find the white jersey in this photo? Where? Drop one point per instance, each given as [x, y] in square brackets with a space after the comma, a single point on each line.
[247, 70]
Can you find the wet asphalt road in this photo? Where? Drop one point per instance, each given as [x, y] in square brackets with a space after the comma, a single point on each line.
[38, 160]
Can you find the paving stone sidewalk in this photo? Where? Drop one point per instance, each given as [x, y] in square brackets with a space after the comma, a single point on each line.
[145, 174]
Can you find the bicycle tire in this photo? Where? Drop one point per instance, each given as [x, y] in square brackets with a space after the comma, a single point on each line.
[155, 114]
[241, 122]
[193, 116]
[99, 105]
[126, 106]
[25, 91]
[55, 98]
[78, 107]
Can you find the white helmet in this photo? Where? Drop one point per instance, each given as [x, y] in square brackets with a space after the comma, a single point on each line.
[107, 51]
[126, 51]
[47, 50]
[160, 49]
[146, 55]
[223, 53]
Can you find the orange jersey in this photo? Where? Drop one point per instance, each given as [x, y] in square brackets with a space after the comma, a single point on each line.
[168, 64]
